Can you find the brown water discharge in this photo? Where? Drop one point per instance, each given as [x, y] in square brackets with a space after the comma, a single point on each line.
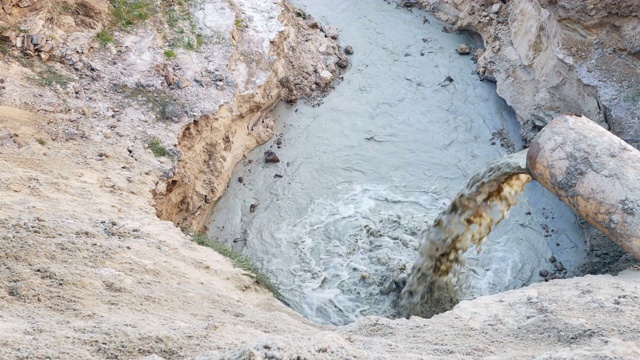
[436, 279]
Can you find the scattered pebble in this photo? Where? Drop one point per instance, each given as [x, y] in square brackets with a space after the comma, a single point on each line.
[348, 50]
[463, 49]
[270, 157]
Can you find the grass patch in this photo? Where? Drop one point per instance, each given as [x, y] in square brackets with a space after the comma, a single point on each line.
[49, 76]
[41, 141]
[633, 94]
[4, 50]
[170, 54]
[104, 37]
[239, 23]
[131, 12]
[239, 261]
[163, 104]
[158, 149]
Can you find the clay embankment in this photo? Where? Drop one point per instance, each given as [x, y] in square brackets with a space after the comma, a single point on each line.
[299, 63]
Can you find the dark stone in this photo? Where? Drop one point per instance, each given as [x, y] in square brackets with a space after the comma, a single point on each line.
[559, 266]
[348, 50]
[277, 176]
[552, 259]
[241, 180]
[343, 63]
[544, 273]
[270, 157]
[253, 208]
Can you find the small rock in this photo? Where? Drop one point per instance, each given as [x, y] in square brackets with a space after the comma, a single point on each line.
[330, 32]
[348, 50]
[169, 79]
[182, 83]
[253, 208]
[544, 273]
[495, 8]
[407, 55]
[277, 176]
[241, 180]
[326, 76]
[447, 29]
[463, 49]
[424, 40]
[270, 157]
[343, 63]
[85, 111]
[559, 266]
[312, 24]
[552, 259]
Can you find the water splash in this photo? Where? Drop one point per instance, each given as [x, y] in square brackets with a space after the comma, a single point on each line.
[435, 281]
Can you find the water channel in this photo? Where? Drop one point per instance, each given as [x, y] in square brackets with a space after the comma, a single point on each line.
[340, 218]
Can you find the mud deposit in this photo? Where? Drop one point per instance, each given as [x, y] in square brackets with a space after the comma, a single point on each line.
[338, 221]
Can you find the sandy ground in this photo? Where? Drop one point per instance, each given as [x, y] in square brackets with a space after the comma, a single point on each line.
[88, 270]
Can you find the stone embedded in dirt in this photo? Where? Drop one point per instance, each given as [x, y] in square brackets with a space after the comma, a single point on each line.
[552, 259]
[253, 208]
[277, 176]
[544, 273]
[463, 49]
[270, 157]
[559, 266]
[424, 40]
[495, 8]
[182, 83]
[348, 50]
[325, 76]
[447, 29]
[241, 180]
[330, 32]
[311, 23]
[169, 79]
[343, 63]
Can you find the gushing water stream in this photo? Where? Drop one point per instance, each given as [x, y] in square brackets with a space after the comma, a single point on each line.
[436, 278]
[337, 223]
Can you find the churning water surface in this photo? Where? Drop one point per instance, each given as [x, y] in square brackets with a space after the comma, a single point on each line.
[361, 176]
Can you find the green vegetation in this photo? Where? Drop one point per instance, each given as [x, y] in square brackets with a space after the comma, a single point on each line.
[162, 103]
[633, 94]
[41, 141]
[157, 149]
[104, 37]
[50, 76]
[170, 54]
[131, 12]
[240, 261]
[239, 23]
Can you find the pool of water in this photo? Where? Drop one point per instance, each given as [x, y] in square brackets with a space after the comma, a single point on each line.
[362, 175]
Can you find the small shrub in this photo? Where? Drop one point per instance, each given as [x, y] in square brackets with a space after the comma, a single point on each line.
[130, 12]
[104, 37]
[157, 149]
[633, 94]
[50, 76]
[240, 261]
[41, 141]
[239, 23]
[170, 54]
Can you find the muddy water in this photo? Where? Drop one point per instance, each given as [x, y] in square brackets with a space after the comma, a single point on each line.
[338, 222]
[438, 274]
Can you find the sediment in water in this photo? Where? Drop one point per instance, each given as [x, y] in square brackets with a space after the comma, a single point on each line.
[436, 278]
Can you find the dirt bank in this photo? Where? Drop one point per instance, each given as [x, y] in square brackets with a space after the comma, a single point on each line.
[89, 132]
